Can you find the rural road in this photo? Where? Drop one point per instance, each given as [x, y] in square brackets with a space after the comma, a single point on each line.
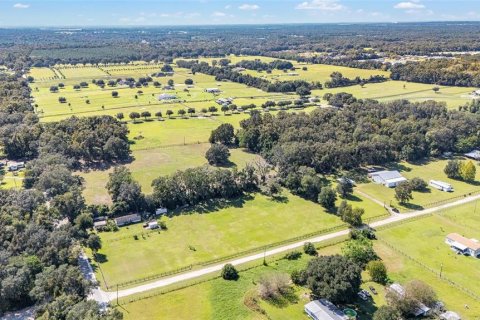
[104, 297]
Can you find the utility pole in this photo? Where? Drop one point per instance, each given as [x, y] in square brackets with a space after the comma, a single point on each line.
[441, 269]
[265, 256]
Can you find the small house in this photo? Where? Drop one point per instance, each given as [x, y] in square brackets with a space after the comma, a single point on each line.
[440, 185]
[167, 96]
[463, 245]
[324, 310]
[420, 310]
[160, 211]
[212, 90]
[389, 179]
[128, 219]
[97, 225]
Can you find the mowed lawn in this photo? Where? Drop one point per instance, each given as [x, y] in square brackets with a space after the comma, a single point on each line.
[427, 170]
[152, 163]
[208, 232]
[424, 240]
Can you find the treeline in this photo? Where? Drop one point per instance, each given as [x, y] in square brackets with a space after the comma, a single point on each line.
[221, 74]
[264, 66]
[338, 80]
[42, 227]
[462, 72]
[200, 184]
[359, 132]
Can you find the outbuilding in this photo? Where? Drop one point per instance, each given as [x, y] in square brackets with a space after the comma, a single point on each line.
[440, 185]
[389, 179]
[167, 96]
[212, 90]
[324, 310]
[474, 154]
[450, 315]
[464, 245]
[153, 225]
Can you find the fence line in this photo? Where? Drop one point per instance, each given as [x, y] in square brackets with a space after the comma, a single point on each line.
[436, 203]
[437, 273]
[229, 257]
[213, 277]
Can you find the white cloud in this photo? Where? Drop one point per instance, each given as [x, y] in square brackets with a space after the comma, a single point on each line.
[218, 14]
[322, 5]
[409, 5]
[227, 7]
[21, 6]
[249, 7]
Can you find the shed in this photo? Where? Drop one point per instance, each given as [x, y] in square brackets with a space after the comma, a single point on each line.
[212, 90]
[100, 224]
[153, 225]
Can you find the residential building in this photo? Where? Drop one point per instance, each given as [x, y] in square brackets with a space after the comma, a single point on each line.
[464, 245]
[440, 185]
[167, 96]
[389, 179]
[160, 211]
[324, 310]
[420, 310]
[128, 219]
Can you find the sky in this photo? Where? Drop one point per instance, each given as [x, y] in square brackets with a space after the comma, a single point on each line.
[27, 13]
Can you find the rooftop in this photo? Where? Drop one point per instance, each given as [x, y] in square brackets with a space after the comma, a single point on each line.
[468, 243]
[325, 310]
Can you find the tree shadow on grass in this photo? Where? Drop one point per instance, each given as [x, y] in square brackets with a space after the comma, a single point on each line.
[280, 199]
[228, 164]
[213, 206]
[286, 299]
[412, 206]
[353, 198]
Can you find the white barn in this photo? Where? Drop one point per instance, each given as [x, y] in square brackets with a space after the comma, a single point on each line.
[389, 179]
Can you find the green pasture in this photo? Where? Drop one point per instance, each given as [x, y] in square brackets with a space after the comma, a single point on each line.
[214, 230]
[416, 92]
[220, 299]
[150, 164]
[427, 170]
[12, 180]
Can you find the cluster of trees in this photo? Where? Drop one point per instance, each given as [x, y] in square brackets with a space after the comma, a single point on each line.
[39, 255]
[460, 170]
[196, 185]
[403, 191]
[461, 72]
[361, 132]
[258, 65]
[338, 80]
[226, 73]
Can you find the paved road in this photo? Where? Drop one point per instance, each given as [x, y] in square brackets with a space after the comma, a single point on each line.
[102, 296]
[96, 294]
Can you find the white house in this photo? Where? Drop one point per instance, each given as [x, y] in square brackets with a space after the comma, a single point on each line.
[131, 218]
[212, 90]
[464, 245]
[420, 309]
[324, 310]
[440, 185]
[167, 96]
[389, 179]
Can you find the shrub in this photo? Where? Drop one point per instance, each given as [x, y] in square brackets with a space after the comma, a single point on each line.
[294, 255]
[418, 184]
[274, 285]
[377, 271]
[298, 277]
[229, 272]
[309, 249]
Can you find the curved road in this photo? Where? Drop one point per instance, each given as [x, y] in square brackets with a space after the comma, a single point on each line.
[104, 297]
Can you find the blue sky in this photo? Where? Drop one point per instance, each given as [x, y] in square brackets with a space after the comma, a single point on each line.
[194, 12]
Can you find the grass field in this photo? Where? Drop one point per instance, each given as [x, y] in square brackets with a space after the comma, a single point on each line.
[12, 181]
[427, 170]
[152, 163]
[219, 299]
[215, 230]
